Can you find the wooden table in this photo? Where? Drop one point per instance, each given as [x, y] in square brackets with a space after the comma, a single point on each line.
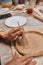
[29, 24]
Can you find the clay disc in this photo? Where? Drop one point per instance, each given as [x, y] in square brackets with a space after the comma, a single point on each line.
[35, 43]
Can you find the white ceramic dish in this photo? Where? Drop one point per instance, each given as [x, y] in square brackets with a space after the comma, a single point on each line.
[13, 21]
[3, 11]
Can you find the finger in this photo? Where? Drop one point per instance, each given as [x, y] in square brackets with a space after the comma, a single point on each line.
[32, 63]
[13, 30]
[12, 33]
[15, 56]
[23, 58]
[27, 61]
[21, 28]
[15, 34]
[22, 31]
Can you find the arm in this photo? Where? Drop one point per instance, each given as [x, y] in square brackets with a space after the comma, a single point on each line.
[2, 34]
[3, 37]
[11, 35]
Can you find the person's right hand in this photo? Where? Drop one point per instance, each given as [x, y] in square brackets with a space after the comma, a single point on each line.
[14, 32]
[24, 60]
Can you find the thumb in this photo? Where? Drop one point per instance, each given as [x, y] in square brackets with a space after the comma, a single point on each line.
[15, 56]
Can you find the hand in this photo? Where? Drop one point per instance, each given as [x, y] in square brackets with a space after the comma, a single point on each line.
[13, 33]
[24, 60]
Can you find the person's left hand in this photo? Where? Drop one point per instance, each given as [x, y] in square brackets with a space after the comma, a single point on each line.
[24, 60]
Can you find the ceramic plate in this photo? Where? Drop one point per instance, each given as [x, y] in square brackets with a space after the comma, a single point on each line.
[5, 10]
[13, 21]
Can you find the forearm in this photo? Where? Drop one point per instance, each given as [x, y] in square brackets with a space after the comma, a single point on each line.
[7, 40]
[2, 34]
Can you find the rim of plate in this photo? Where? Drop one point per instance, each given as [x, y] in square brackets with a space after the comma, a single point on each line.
[12, 17]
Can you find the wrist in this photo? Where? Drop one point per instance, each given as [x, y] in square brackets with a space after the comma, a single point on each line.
[2, 34]
[7, 39]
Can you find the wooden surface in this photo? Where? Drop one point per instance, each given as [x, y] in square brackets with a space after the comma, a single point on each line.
[29, 24]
